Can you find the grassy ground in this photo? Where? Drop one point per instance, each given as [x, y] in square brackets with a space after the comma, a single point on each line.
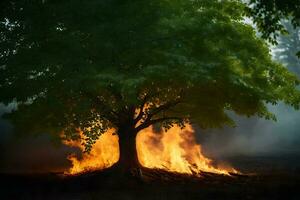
[276, 178]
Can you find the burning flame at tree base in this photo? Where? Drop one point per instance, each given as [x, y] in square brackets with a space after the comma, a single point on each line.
[175, 150]
[104, 154]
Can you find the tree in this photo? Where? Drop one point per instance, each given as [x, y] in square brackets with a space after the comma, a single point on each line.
[288, 46]
[128, 64]
[267, 15]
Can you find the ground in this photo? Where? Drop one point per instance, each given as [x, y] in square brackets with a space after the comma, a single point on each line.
[276, 177]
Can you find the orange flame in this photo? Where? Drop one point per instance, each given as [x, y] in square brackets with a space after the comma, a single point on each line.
[105, 153]
[175, 150]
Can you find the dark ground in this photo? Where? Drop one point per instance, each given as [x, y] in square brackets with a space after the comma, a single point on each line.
[276, 177]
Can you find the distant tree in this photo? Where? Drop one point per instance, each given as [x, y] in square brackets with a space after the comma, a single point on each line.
[288, 46]
[267, 15]
[129, 64]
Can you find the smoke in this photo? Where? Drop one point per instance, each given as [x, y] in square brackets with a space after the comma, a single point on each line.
[34, 155]
[30, 154]
[254, 136]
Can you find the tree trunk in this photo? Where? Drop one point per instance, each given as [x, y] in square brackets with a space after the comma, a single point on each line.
[128, 163]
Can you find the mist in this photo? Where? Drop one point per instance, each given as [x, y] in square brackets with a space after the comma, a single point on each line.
[256, 137]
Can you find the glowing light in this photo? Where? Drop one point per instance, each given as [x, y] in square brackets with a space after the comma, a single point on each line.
[104, 154]
[175, 150]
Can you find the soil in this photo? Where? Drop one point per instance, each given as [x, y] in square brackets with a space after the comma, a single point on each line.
[274, 178]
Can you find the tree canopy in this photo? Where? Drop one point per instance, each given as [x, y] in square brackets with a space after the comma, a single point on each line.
[268, 14]
[99, 64]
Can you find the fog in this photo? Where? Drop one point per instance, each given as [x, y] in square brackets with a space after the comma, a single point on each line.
[256, 137]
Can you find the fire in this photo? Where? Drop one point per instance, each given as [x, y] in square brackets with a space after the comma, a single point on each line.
[175, 150]
[104, 154]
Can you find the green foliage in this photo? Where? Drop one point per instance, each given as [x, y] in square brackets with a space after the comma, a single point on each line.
[267, 15]
[120, 62]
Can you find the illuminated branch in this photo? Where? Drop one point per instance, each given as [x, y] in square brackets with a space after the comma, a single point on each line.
[163, 107]
[157, 110]
[155, 121]
[141, 109]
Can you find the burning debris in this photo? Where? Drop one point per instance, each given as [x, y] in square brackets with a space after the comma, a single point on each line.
[175, 150]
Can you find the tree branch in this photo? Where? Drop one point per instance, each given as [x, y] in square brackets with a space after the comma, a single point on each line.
[155, 121]
[106, 111]
[161, 108]
[141, 109]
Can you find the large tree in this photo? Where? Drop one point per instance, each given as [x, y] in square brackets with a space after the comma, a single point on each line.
[268, 14]
[129, 64]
